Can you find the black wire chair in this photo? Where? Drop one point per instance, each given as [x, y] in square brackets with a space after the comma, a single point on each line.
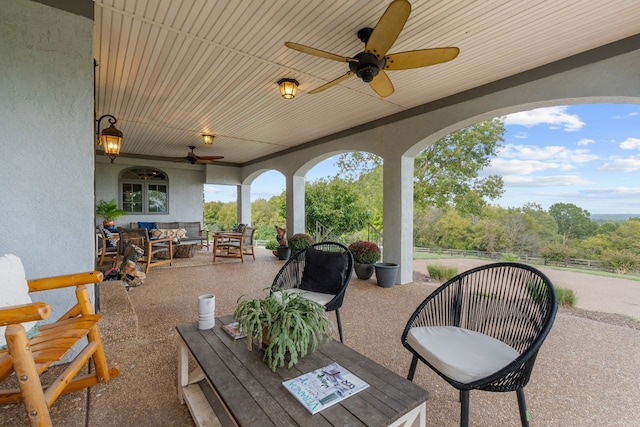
[298, 274]
[482, 330]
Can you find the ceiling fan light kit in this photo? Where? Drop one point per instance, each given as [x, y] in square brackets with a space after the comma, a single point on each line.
[208, 139]
[110, 138]
[288, 88]
[369, 65]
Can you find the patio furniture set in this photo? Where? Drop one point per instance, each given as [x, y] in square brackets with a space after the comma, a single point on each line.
[481, 330]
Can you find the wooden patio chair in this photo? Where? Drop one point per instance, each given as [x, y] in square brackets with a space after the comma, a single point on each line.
[28, 357]
[231, 247]
[321, 272]
[106, 246]
[156, 252]
[482, 330]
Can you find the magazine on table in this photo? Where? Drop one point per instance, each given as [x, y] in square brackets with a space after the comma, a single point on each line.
[233, 331]
[324, 387]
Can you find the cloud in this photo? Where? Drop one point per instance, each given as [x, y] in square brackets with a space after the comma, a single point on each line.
[544, 181]
[505, 167]
[632, 114]
[585, 141]
[615, 164]
[521, 135]
[557, 117]
[630, 144]
[555, 153]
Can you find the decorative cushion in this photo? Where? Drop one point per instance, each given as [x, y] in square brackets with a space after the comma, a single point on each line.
[323, 271]
[13, 288]
[111, 242]
[460, 354]
[148, 225]
[171, 233]
[320, 298]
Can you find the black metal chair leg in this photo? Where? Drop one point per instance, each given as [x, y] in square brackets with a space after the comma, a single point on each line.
[522, 404]
[412, 368]
[464, 408]
[339, 325]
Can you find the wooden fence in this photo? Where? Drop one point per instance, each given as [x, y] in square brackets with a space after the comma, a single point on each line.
[577, 263]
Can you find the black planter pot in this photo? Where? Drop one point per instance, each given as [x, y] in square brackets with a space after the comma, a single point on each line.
[283, 252]
[386, 273]
[363, 271]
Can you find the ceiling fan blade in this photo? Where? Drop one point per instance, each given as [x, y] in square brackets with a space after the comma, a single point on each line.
[209, 158]
[420, 58]
[332, 83]
[381, 84]
[388, 28]
[317, 52]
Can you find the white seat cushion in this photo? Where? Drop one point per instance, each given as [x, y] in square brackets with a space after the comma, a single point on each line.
[320, 298]
[13, 288]
[460, 354]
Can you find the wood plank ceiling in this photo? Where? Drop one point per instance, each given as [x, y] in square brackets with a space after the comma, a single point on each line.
[171, 70]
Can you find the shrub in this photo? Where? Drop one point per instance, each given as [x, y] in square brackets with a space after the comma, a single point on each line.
[364, 252]
[441, 272]
[271, 244]
[566, 297]
[556, 253]
[510, 257]
[622, 261]
[299, 241]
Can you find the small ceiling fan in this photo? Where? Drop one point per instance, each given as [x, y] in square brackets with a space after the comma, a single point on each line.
[193, 158]
[371, 64]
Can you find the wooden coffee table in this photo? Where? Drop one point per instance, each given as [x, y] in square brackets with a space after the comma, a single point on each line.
[233, 386]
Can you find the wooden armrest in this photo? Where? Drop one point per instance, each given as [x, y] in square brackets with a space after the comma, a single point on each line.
[24, 313]
[64, 281]
[165, 240]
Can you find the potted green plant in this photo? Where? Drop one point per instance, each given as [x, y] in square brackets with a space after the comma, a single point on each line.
[286, 324]
[272, 245]
[299, 241]
[109, 212]
[365, 254]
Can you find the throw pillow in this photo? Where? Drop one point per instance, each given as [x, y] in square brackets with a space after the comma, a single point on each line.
[111, 241]
[171, 233]
[148, 225]
[13, 288]
[323, 271]
[156, 233]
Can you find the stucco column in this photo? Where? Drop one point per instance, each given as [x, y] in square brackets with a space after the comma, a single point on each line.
[244, 204]
[295, 205]
[398, 215]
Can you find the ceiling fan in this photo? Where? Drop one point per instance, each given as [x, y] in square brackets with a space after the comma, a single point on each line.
[371, 64]
[193, 158]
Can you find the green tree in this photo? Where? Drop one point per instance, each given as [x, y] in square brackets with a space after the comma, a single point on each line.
[541, 223]
[264, 215]
[337, 205]
[447, 173]
[228, 215]
[573, 222]
[211, 211]
[453, 230]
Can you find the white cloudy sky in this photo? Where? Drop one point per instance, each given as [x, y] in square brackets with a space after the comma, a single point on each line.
[588, 155]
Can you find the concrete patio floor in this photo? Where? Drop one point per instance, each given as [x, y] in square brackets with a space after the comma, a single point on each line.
[586, 372]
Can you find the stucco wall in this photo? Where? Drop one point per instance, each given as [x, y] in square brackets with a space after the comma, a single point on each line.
[46, 142]
[186, 184]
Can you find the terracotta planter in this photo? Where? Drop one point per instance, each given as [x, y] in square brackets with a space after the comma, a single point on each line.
[364, 271]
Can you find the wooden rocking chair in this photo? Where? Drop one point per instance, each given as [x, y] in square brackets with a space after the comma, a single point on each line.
[30, 357]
